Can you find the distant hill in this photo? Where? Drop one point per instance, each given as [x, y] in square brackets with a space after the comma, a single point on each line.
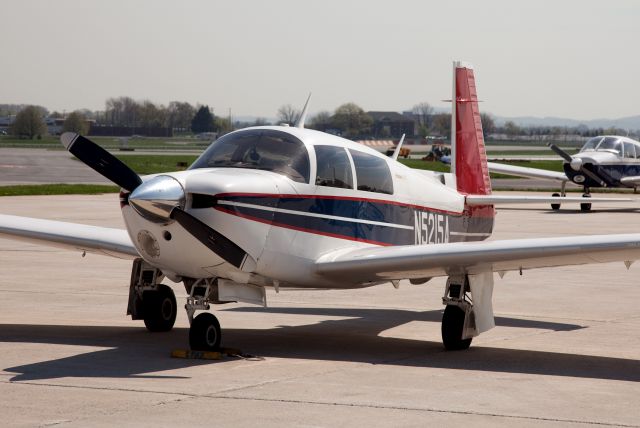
[630, 123]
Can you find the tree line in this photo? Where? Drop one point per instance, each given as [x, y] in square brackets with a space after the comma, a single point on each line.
[348, 120]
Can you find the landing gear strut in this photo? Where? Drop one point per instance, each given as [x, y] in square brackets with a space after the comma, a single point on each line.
[205, 333]
[149, 300]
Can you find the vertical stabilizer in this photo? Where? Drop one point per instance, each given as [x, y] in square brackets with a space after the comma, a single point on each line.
[468, 155]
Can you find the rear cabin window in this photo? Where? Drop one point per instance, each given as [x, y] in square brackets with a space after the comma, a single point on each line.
[372, 173]
[334, 168]
[265, 149]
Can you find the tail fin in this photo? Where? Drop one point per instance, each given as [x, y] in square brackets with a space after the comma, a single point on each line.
[468, 156]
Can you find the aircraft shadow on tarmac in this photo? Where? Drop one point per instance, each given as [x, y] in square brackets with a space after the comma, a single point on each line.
[132, 352]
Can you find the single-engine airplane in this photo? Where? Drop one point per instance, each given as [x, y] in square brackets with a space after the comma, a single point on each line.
[603, 161]
[276, 206]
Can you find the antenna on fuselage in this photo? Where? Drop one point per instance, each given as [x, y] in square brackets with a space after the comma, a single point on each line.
[395, 154]
[303, 115]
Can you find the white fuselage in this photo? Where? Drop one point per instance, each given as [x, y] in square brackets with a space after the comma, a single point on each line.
[286, 225]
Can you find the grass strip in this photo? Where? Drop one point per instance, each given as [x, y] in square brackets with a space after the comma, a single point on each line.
[57, 189]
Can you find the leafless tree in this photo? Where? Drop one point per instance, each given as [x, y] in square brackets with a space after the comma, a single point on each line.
[288, 114]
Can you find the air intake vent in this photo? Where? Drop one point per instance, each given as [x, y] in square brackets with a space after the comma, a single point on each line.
[199, 200]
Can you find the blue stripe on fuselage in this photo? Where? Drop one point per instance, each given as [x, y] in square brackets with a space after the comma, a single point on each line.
[379, 211]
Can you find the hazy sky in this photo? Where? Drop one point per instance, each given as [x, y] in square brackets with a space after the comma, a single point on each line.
[577, 59]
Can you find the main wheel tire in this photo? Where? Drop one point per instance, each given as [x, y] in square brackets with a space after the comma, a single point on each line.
[585, 206]
[555, 207]
[205, 333]
[159, 308]
[452, 326]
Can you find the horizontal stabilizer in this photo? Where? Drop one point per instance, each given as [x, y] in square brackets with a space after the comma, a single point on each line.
[520, 199]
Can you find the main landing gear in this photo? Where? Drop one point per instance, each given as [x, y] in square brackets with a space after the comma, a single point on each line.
[149, 300]
[586, 206]
[563, 193]
[458, 321]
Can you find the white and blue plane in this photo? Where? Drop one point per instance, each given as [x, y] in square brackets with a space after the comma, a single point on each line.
[277, 206]
[609, 161]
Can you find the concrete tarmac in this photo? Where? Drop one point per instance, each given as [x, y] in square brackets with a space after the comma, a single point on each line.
[565, 352]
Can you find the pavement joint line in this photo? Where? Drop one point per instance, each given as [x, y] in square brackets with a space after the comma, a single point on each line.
[426, 409]
[102, 388]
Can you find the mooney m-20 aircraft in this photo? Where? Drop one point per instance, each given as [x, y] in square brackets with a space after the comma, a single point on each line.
[604, 161]
[277, 206]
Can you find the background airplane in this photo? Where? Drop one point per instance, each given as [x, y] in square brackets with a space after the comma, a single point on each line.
[286, 207]
[605, 161]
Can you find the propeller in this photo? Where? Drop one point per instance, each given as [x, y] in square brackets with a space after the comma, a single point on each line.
[158, 200]
[564, 155]
[100, 160]
[212, 239]
[567, 157]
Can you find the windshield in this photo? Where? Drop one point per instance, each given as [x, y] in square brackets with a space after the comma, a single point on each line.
[603, 144]
[610, 144]
[591, 144]
[263, 149]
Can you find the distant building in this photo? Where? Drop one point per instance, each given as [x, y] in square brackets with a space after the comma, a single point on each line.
[391, 124]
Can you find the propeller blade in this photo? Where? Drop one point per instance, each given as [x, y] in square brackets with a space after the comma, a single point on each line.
[215, 241]
[564, 155]
[100, 160]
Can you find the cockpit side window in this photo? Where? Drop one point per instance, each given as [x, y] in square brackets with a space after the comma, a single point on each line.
[372, 173]
[334, 167]
[268, 150]
[629, 150]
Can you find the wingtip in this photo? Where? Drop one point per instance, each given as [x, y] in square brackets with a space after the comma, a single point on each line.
[67, 139]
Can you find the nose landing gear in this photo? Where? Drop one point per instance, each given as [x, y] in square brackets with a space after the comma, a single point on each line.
[205, 333]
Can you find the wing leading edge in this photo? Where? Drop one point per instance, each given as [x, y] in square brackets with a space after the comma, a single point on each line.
[405, 262]
[103, 240]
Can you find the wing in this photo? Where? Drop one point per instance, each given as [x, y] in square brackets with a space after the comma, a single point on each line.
[102, 240]
[630, 181]
[520, 171]
[422, 261]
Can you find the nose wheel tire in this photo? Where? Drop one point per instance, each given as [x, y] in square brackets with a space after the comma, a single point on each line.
[555, 207]
[452, 328]
[205, 333]
[159, 308]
